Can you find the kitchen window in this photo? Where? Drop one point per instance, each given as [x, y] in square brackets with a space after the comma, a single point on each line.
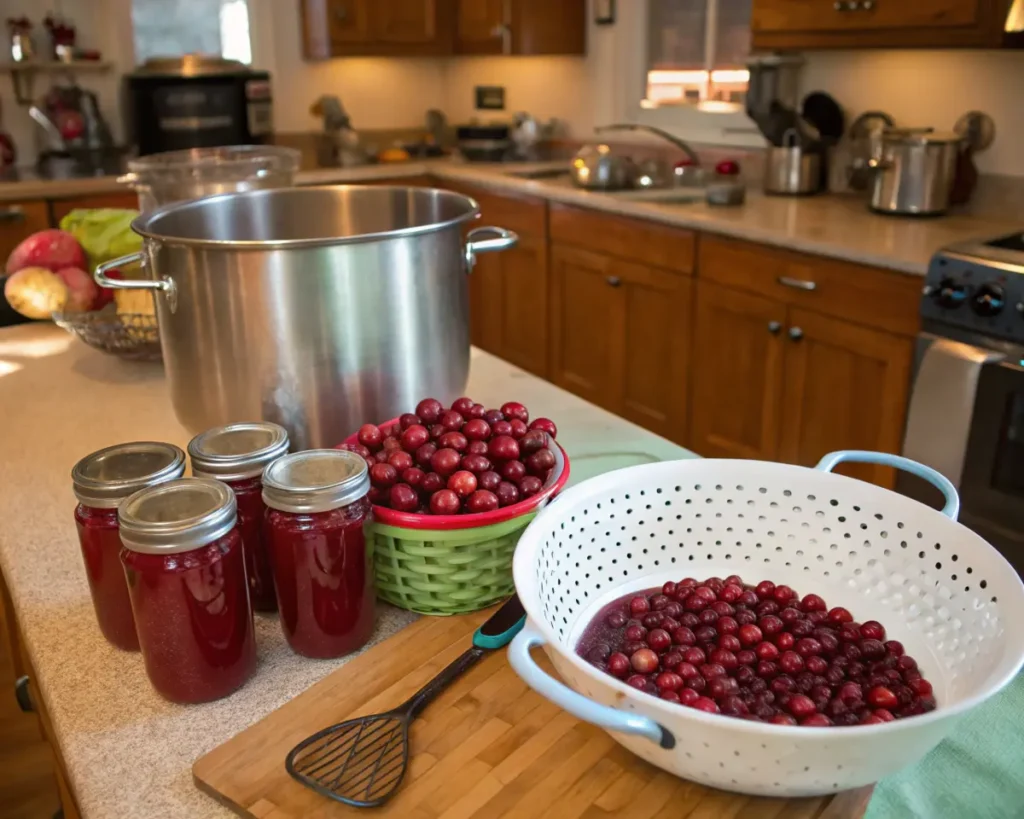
[696, 53]
[163, 29]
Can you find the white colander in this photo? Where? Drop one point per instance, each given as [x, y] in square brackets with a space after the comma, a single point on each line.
[948, 596]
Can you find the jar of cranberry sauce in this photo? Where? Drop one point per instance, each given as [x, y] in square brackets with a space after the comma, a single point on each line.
[101, 481]
[185, 568]
[237, 454]
[323, 572]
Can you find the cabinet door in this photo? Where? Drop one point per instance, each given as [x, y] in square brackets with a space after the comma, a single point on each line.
[19, 220]
[480, 27]
[125, 199]
[656, 324]
[857, 15]
[737, 373]
[587, 324]
[404, 21]
[544, 27]
[845, 388]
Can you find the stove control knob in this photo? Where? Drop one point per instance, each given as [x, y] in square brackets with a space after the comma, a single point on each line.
[989, 300]
[950, 293]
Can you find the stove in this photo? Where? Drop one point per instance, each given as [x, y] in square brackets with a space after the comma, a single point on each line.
[966, 411]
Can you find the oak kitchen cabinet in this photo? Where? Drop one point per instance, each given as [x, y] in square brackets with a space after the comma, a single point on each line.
[799, 356]
[19, 220]
[125, 199]
[620, 315]
[814, 24]
[351, 28]
[520, 27]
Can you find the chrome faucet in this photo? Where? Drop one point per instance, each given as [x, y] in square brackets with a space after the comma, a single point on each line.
[628, 126]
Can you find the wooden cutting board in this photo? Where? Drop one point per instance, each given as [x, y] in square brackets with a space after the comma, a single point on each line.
[487, 748]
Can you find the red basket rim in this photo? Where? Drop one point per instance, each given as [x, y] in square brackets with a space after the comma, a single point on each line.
[413, 520]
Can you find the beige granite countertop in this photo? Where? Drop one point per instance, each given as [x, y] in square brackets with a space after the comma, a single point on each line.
[838, 226]
[128, 752]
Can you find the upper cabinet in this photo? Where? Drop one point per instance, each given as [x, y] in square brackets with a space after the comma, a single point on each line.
[349, 28]
[816, 24]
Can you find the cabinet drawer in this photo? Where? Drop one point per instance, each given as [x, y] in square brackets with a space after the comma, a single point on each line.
[637, 240]
[863, 295]
[523, 214]
[858, 15]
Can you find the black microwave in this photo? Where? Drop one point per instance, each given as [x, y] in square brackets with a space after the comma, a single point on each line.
[197, 102]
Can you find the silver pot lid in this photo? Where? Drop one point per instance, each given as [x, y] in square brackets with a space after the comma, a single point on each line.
[316, 480]
[177, 516]
[108, 476]
[191, 65]
[237, 451]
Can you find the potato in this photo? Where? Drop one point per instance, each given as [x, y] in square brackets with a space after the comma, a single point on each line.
[36, 292]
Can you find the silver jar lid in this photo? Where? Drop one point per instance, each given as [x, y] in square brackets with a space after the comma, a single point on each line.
[177, 516]
[316, 480]
[108, 476]
[237, 450]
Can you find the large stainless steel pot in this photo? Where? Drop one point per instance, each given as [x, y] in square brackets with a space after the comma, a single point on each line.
[317, 308]
[914, 171]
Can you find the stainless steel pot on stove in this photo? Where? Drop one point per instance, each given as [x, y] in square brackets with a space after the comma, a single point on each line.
[316, 308]
[913, 171]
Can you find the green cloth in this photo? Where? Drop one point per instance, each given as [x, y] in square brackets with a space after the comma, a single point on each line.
[103, 233]
[977, 772]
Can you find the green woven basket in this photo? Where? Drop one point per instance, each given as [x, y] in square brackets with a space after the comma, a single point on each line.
[446, 572]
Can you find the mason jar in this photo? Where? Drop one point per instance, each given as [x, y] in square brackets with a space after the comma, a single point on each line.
[237, 454]
[185, 568]
[323, 570]
[101, 481]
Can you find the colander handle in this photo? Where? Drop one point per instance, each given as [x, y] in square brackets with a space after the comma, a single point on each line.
[576, 704]
[935, 478]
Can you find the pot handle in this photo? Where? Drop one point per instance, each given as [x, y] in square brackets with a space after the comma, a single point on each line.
[165, 285]
[934, 477]
[579, 706]
[503, 241]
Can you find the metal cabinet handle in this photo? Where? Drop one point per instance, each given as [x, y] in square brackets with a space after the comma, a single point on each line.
[23, 696]
[797, 284]
[613, 281]
[14, 213]
[774, 327]
[796, 333]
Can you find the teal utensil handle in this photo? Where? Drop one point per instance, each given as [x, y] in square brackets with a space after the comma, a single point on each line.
[501, 626]
[935, 478]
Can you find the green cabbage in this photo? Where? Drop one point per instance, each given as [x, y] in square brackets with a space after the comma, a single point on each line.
[104, 233]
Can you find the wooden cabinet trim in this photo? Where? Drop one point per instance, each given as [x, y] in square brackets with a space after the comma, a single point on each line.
[636, 240]
[852, 292]
[526, 215]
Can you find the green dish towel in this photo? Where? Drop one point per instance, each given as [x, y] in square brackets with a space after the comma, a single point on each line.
[977, 772]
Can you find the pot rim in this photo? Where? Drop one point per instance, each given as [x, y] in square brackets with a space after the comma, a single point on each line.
[141, 224]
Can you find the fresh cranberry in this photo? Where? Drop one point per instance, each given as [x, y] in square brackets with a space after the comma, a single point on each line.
[722, 686]
[765, 589]
[403, 498]
[689, 619]
[730, 593]
[906, 663]
[697, 683]
[750, 635]
[462, 483]
[748, 598]
[790, 615]
[615, 619]
[687, 696]
[783, 719]
[672, 660]
[730, 642]
[727, 625]
[785, 641]
[920, 687]
[783, 594]
[445, 462]
[872, 649]
[894, 647]
[829, 644]
[705, 634]
[635, 633]
[513, 471]
[668, 681]
[816, 721]
[801, 628]
[490, 480]
[424, 453]
[791, 662]
[711, 670]
[644, 661]
[687, 670]
[436, 431]
[652, 619]
[799, 705]
[882, 697]
[883, 714]
[429, 409]
[370, 436]
[734, 706]
[502, 428]
[431, 483]
[519, 430]
[476, 411]
[683, 636]
[745, 617]
[872, 630]
[659, 639]
[706, 704]
[767, 669]
[767, 651]
[851, 651]
[414, 437]
[669, 696]
[638, 681]
[383, 476]
[812, 602]
[807, 646]
[814, 663]
[766, 607]
[783, 684]
[659, 602]
[444, 502]
[400, 460]
[695, 655]
[770, 625]
[725, 658]
[746, 657]
[839, 615]
[618, 665]
[834, 676]
[639, 605]
[817, 617]
[503, 448]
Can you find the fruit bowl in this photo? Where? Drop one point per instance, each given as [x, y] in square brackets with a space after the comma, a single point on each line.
[941, 590]
[453, 564]
[132, 336]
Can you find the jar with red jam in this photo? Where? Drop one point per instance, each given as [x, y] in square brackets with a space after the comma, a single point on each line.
[185, 567]
[101, 481]
[237, 454]
[323, 572]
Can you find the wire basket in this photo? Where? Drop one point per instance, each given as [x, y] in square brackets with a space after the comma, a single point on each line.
[132, 336]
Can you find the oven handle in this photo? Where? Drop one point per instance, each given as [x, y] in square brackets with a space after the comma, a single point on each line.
[934, 477]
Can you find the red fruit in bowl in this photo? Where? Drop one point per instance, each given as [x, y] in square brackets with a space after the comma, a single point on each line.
[413, 476]
[476, 447]
[392, 444]
[403, 498]
[476, 411]
[644, 661]
[453, 440]
[423, 455]
[462, 483]
[812, 602]
[431, 483]
[400, 460]
[477, 429]
[533, 441]
[530, 486]
[429, 409]
[383, 475]
[492, 416]
[407, 419]
[413, 437]
[371, 437]
[508, 493]
[882, 697]
[445, 502]
[445, 461]
[359, 449]
[436, 431]
[503, 448]
[462, 405]
[540, 462]
[501, 428]
[381, 456]
[800, 706]
[513, 409]
[545, 425]
[451, 420]
[872, 630]
[513, 471]
[491, 480]
[518, 428]
[378, 496]
[481, 501]
[475, 464]
[839, 615]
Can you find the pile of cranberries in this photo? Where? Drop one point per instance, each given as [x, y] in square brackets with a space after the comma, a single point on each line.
[756, 652]
[463, 459]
